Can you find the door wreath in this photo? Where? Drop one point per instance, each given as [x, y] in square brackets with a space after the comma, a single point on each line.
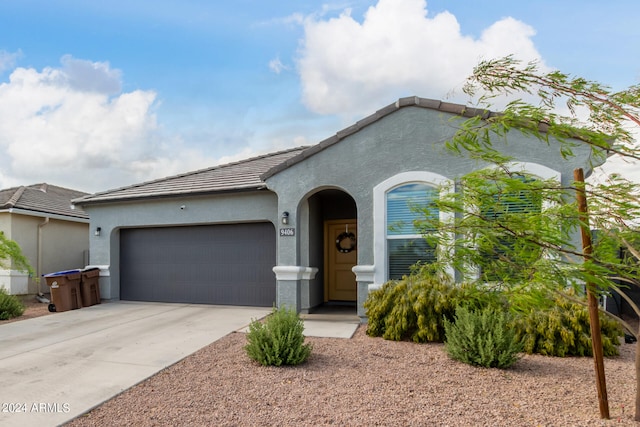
[346, 242]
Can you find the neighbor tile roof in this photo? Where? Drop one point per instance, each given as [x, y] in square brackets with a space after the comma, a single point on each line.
[42, 198]
[237, 176]
[251, 173]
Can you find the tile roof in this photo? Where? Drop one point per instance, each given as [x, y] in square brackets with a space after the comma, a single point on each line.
[237, 176]
[250, 174]
[42, 198]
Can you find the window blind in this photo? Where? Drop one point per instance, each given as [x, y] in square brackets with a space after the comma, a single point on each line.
[405, 245]
[401, 205]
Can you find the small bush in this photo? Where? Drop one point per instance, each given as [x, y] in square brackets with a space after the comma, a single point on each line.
[482, 338]
[10, 306]
[564, 330]
[279, 340]
[379, 305]
[415, 307]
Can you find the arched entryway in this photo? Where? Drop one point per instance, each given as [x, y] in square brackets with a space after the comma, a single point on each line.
[333, 247]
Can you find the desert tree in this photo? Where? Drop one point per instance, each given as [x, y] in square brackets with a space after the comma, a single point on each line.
[511, 229]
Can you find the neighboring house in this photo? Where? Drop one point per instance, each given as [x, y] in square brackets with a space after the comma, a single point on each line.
[299, 227]
[52, 235]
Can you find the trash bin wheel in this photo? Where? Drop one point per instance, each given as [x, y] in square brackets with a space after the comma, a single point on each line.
[52, 308]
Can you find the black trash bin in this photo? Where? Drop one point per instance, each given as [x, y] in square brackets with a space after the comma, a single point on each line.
[90, 286]
[65, 290]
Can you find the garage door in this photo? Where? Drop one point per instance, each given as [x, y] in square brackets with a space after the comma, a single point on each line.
[218, 264]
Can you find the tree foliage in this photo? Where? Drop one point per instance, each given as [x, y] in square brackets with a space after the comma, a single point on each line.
[534, 250]
[11, 256]
[517, 230]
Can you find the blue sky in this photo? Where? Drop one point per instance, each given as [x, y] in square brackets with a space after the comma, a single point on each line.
[97, 95]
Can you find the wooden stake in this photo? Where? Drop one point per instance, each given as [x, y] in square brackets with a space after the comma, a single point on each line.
[594, 319]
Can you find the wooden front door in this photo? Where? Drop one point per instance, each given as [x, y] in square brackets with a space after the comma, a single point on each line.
[341, 255]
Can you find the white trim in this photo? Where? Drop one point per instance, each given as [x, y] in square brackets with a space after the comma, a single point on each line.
[294, 272]
[374, 287]
[18, 211]
[364, 273]
[380, 212]
[104, 269]
[536, 169]
[14, 282]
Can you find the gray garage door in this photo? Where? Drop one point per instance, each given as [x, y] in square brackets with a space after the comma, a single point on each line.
[218, 264]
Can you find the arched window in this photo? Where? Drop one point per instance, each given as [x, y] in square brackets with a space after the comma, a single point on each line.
[405, 205]
[398, 244]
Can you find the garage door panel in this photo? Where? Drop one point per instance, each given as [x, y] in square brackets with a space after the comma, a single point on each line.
[219, 264]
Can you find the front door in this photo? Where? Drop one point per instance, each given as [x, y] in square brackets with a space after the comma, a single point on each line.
[341, 256]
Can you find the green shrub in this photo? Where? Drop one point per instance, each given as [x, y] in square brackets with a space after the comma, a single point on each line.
[415, 307]
[564, 330]
[10, 306]
[279, 340]
[381, 302]
[482, 338]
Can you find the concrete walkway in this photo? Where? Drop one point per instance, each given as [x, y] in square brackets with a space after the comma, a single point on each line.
[56, 367]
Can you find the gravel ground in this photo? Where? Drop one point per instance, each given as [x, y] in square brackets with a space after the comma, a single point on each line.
[367, 381]
[33, 308]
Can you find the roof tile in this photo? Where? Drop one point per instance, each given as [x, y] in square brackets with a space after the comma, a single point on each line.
[237, 176]
[42, 198]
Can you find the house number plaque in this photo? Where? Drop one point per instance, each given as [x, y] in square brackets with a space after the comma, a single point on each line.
[287, 232]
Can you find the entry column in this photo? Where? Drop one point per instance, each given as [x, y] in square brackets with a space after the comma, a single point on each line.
[290, 280]
[364, 278]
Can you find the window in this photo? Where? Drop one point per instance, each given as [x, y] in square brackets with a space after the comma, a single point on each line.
[405, 245]
[387, 239]
[507, 206]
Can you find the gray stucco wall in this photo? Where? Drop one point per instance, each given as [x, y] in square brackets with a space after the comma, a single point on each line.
[111, 218]
[315, 291]
[410, 139]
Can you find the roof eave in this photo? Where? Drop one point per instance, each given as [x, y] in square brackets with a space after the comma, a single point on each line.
[41, 214]
[125, 199]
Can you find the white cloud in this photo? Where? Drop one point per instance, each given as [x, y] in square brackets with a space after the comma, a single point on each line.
[347, 67]
[87, 76]
[73, 126]
[8, 59]
[277, 66]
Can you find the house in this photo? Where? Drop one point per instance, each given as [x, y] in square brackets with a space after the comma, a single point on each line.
[52, 235]
[298, 227]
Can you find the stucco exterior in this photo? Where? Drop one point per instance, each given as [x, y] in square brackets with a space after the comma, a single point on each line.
[405, 146]
[217, 209]
[51, 243]
[344, 177]
[51, 234]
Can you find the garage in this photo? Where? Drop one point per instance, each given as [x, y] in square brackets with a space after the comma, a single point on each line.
[228, 264]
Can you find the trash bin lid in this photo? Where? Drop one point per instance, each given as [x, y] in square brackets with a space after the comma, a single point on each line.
[62, 273]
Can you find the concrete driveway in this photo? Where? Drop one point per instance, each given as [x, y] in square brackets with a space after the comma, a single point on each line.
[56, 367]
